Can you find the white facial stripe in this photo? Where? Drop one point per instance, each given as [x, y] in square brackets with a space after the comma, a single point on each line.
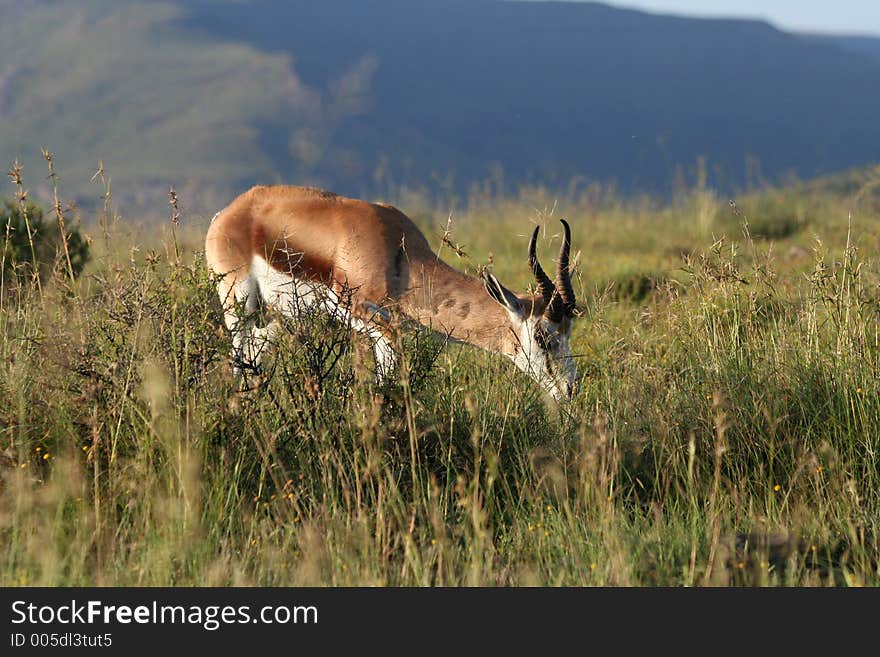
[555, 371]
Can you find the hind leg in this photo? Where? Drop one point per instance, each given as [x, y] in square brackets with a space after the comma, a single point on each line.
[241, 302]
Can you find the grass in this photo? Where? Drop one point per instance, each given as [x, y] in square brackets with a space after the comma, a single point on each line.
[726, 432]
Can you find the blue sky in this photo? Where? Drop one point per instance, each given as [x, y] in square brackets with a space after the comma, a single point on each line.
[835, 16]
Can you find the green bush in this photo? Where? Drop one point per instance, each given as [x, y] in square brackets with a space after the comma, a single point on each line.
[20, 258]
[634, 286]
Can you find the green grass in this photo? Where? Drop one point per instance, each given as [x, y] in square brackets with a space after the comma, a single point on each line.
[726, 432]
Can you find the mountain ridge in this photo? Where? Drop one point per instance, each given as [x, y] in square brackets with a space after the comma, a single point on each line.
[362, 97]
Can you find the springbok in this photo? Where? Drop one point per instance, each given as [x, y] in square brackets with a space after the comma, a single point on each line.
[301, 247]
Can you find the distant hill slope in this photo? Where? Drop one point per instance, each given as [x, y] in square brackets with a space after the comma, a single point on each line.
[214, 95]
[865, 45]
[120, 81]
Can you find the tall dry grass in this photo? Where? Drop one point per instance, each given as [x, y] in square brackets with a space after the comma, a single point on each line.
[726, 432]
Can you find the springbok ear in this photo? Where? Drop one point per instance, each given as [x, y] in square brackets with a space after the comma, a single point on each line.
[501, 294]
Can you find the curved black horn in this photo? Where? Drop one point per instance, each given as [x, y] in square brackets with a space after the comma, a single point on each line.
[563, 274]
[555, 305]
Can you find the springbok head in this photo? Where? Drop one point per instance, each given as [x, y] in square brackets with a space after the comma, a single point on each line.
[542, 324]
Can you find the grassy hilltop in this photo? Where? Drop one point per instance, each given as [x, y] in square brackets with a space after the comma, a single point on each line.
[727, 429]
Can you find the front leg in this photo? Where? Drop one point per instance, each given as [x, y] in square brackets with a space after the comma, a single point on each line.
[368, 319]
[386, 358]
[373, 323]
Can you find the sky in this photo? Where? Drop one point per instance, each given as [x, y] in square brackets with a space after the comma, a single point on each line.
[830, 16]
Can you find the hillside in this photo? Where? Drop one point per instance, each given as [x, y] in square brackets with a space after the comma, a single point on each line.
[865, 45]
[361, 96]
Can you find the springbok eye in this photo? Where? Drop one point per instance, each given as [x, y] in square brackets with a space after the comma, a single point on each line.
[547, 341]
